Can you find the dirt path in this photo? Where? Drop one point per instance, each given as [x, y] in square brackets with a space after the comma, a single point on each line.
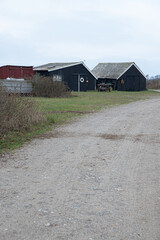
[96, 179]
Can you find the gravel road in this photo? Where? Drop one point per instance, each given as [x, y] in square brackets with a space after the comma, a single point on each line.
[95, 179]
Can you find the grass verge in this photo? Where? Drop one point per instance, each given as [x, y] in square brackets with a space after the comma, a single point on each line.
[59, 110]
[62, 110]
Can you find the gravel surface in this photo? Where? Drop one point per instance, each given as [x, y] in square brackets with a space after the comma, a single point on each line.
[95, 179]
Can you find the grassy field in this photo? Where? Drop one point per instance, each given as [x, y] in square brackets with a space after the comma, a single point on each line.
[62, 110]
[59, 110]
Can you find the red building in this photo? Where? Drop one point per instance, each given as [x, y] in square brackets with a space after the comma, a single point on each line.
[10, 71]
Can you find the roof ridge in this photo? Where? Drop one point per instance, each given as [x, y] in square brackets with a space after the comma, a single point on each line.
[56, 63]
[115, 62]
[111, 70]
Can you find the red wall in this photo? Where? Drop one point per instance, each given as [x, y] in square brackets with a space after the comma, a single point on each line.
[16, 72]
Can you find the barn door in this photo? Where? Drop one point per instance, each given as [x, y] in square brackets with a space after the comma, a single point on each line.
[79, 82]
[82, 83]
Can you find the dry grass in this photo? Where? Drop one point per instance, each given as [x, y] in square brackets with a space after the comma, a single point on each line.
[17, 113]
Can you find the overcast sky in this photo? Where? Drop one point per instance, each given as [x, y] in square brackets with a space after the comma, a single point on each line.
[34, 32]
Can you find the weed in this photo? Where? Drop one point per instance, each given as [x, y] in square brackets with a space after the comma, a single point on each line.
[17, 113]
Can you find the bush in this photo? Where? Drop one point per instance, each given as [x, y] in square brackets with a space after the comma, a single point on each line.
[46, 87]
[16, 113]
[153, 84]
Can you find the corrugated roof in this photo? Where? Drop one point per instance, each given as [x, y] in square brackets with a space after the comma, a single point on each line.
[16, 66]
[111, 70]
[54, 66]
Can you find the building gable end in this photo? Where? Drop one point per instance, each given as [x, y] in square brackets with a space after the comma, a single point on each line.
[133, 64]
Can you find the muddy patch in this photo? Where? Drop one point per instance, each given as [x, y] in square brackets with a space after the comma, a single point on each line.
[147, 139]
[112, 136]
[155, 139]
[63, 134]
[56, 134]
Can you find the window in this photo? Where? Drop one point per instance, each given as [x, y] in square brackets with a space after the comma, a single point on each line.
[57, 78]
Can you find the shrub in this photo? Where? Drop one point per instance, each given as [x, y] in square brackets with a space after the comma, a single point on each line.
[46, 87]
[153, 84]
[17, 113]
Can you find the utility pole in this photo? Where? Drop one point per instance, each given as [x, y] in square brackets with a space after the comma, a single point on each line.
[79, 82]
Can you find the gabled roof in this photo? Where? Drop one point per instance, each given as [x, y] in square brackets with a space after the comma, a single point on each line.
[113, 70]
[57, 66]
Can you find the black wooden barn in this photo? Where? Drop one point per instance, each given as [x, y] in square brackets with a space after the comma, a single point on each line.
[75, 75]
[124, 76]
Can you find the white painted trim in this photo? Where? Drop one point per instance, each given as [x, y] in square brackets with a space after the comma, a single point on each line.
[140, 70]
[89, 70]
[125, 71]
[71, 65]
[133, 64]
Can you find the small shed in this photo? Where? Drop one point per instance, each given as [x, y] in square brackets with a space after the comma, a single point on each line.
[18, 72]
[125, 76]
[75, 75]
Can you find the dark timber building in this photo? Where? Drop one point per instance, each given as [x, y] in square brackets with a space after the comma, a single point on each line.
[75, 75]
[124, 76]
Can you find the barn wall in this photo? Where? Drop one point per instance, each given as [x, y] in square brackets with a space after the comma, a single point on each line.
[16, 72]
[70, 77]
[133, 81]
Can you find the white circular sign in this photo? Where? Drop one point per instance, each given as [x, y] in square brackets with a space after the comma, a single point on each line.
[81, 79]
